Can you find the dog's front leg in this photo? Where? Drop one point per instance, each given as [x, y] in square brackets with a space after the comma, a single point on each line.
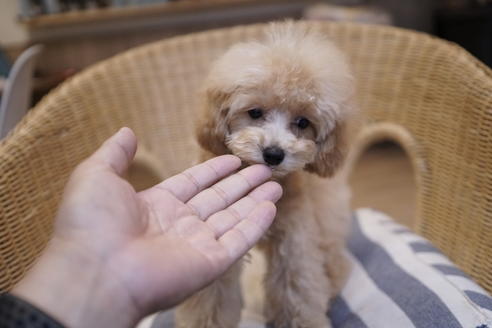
[297, 287]
[216, 306]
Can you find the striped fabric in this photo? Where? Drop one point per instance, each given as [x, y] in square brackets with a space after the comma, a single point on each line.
[398, 280]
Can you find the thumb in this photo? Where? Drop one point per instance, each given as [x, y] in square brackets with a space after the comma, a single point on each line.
[117, 152]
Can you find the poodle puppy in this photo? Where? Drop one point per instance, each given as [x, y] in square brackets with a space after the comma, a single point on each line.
[285, 101]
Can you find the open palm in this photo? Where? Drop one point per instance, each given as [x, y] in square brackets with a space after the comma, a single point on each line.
[168, 241]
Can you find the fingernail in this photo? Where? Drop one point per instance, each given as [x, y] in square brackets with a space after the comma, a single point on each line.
[122, 130]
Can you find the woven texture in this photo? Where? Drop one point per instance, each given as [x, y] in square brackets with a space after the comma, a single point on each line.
[429, 95]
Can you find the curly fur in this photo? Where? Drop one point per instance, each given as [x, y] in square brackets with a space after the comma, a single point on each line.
[292, 72]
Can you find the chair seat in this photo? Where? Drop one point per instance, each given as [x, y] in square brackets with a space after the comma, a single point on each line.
[398, 279]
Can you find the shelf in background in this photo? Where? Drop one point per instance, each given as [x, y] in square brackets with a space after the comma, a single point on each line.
[81, 38]
[120, 13]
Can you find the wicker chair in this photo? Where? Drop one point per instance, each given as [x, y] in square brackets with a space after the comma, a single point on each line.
[428, 95]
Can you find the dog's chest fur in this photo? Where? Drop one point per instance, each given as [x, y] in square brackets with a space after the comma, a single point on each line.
[293, 209]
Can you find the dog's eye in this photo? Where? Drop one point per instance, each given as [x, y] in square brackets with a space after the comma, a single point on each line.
[255, 113]
[302, 122]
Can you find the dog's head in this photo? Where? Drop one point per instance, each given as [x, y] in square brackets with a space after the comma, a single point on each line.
[283, 102]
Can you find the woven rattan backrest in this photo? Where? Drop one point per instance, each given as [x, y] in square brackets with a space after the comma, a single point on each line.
[431, 96]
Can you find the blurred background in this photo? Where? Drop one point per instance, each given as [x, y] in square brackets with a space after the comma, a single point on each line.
[78, 33]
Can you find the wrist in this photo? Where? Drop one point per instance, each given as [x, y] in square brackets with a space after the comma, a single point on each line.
[76, 290]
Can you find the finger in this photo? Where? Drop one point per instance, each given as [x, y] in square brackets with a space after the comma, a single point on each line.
[229, 190]
[117, 152]
[223, 221]
[193, 180]
[240, 239]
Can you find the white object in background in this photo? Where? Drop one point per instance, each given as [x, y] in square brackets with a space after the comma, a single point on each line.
[25, 8]
[16, 97]
[51, 6]
[119, 3]
[358, 14]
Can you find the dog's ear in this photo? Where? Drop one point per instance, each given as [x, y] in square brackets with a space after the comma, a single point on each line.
[331, 152]
[211, 129]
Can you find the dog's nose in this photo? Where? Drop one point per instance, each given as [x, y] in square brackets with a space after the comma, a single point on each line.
[273, 155]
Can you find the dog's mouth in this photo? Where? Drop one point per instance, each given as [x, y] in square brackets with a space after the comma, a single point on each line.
[248, 162]
[277, 171]
[256, 159]
[255, 155]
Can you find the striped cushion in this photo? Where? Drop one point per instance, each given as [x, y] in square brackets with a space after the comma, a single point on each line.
[398, 280]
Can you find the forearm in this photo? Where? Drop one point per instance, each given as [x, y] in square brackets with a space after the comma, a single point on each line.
[75, 291]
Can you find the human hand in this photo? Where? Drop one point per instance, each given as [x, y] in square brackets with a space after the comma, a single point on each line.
[117, 255]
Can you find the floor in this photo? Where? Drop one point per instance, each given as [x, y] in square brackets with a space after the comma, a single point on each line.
[383, 180]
